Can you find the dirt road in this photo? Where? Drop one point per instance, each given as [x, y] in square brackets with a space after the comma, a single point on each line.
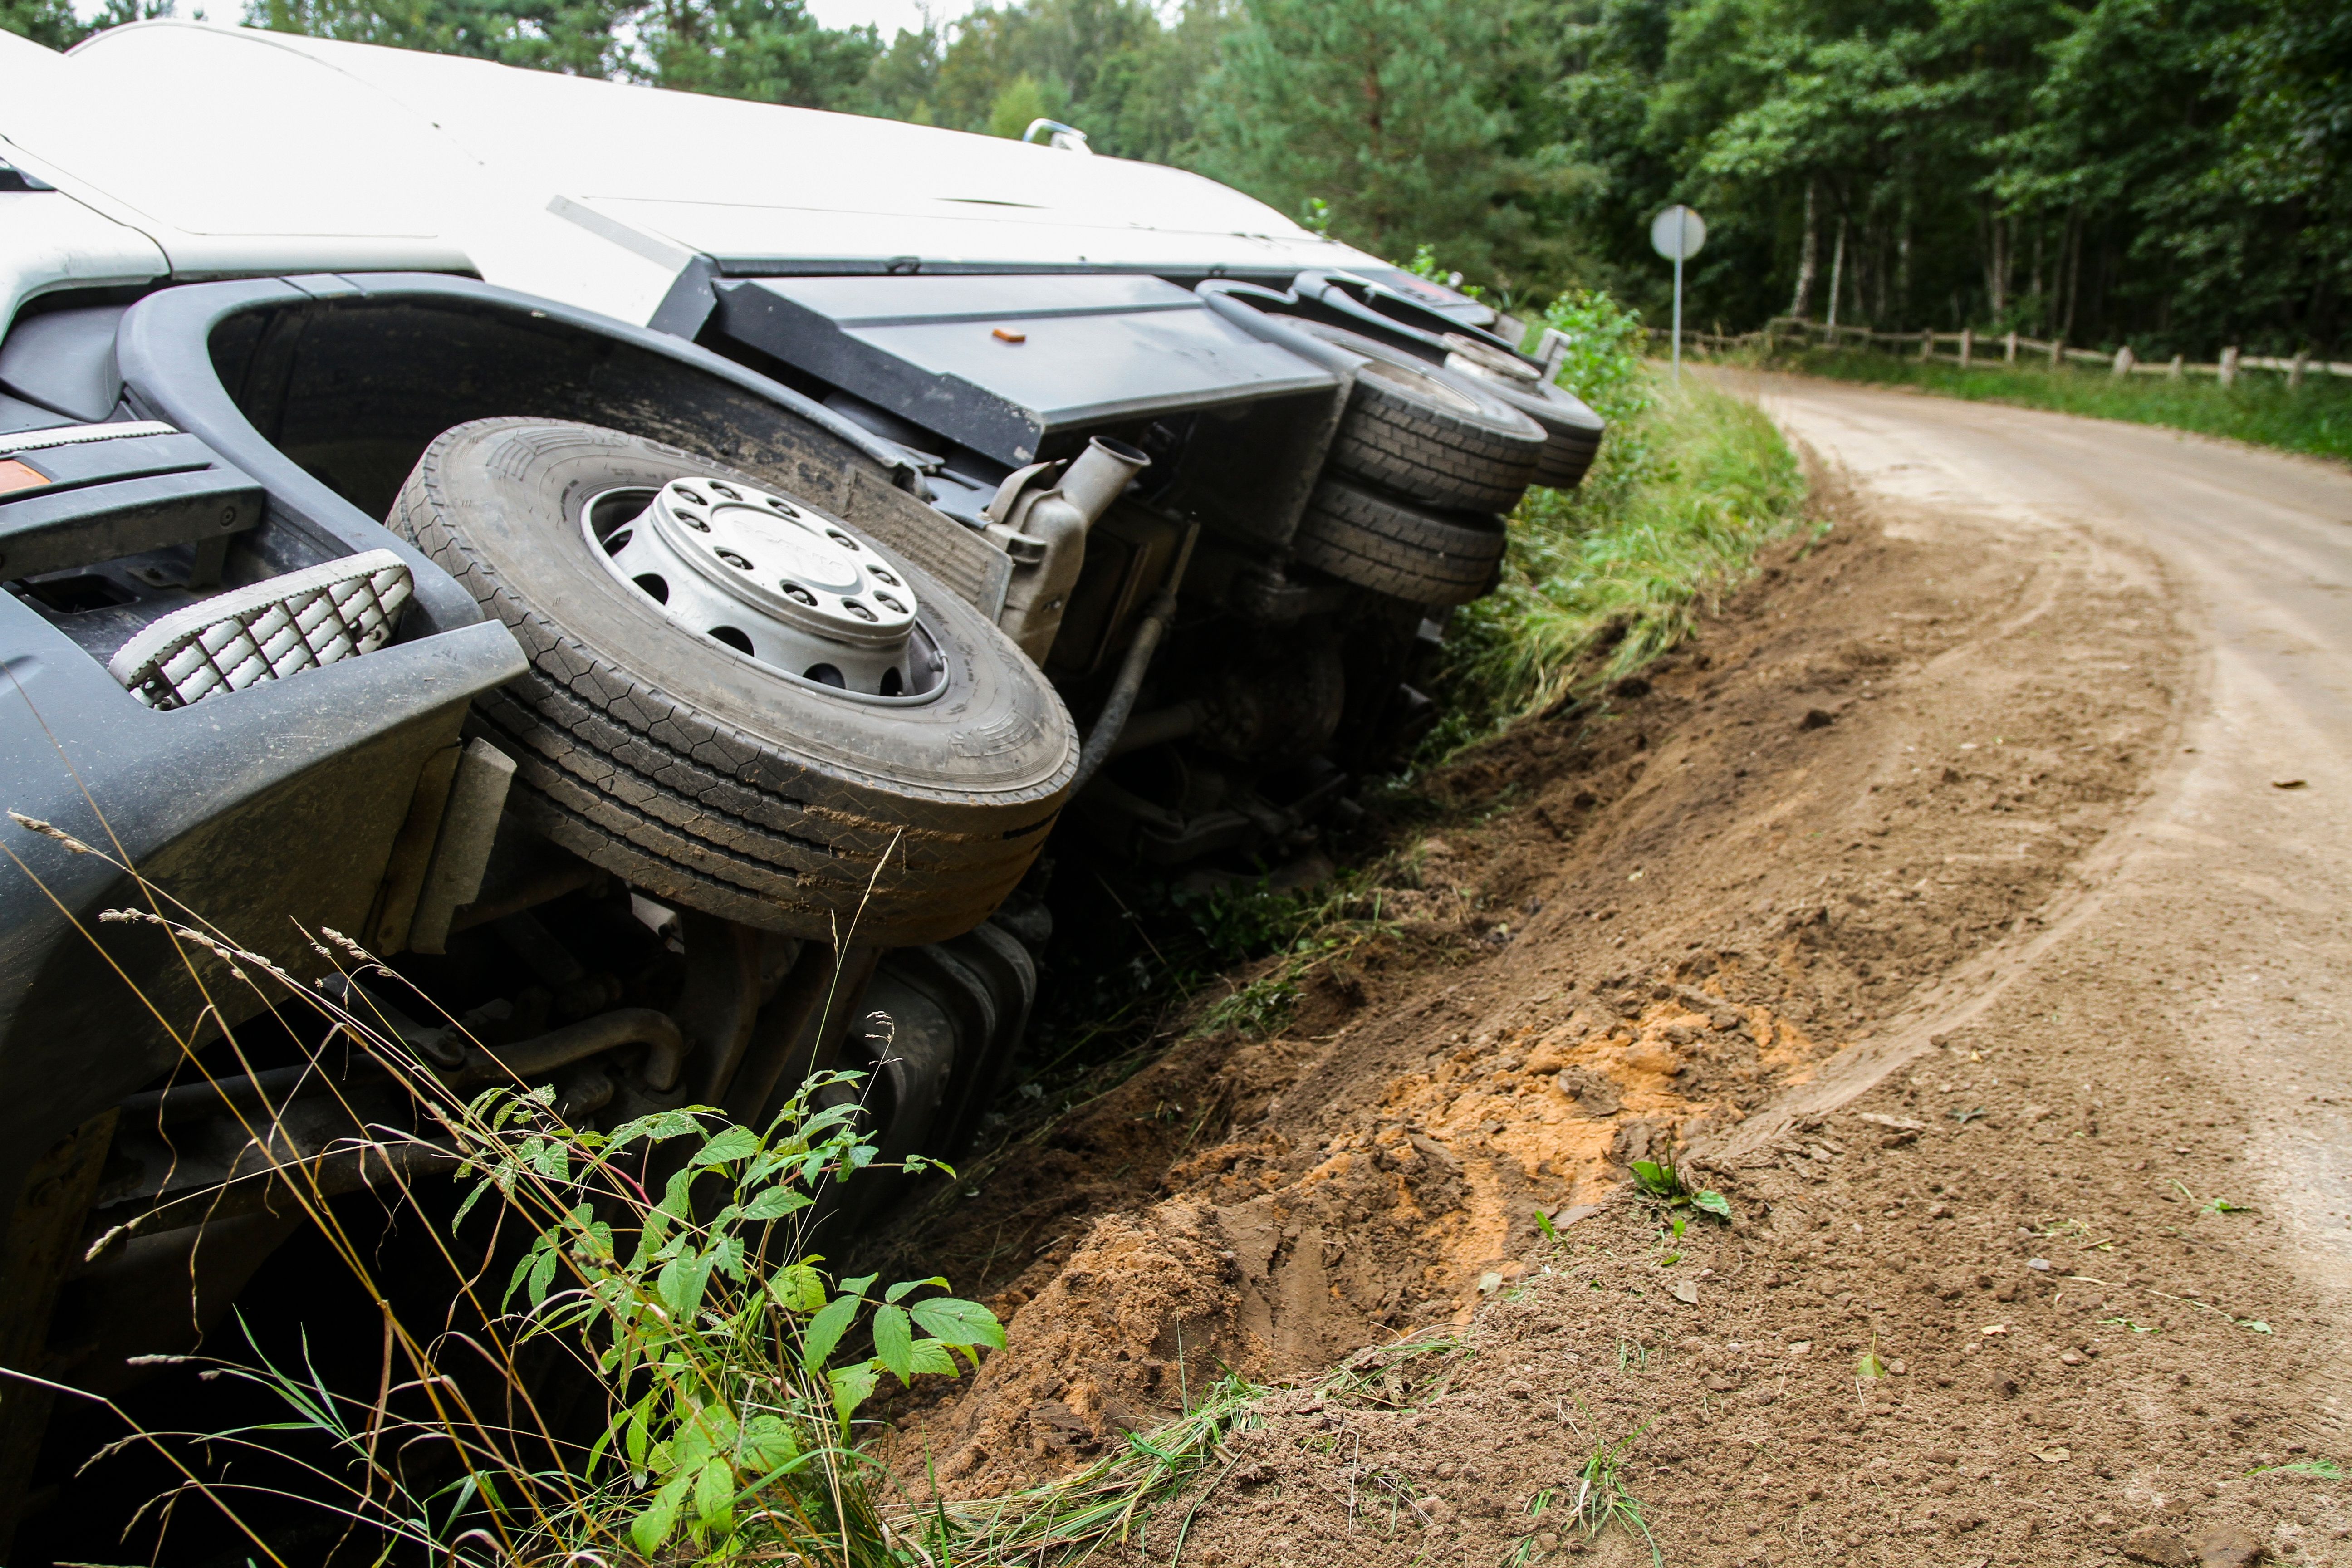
[2227, 903]
[1944, 905]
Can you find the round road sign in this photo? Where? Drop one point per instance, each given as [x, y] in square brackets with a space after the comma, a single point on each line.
[1677, 233]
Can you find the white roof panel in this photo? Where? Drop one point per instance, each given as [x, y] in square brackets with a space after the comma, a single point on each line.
[240, 150]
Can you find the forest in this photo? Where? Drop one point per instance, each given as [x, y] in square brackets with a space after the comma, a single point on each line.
[2174, 175]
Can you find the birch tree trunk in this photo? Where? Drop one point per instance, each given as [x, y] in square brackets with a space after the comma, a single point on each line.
[1837, 269]
[1809, 258]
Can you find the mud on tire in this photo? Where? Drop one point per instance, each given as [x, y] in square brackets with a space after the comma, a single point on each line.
[707, 780]
[1373, 541]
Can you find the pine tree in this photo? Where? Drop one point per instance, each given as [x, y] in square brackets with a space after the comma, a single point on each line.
[1384, 108]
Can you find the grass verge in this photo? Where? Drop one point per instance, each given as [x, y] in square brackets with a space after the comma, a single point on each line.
[2315, 418]
[1692, 483]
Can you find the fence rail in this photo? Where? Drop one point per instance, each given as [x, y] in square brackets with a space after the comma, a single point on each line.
[1970, 348]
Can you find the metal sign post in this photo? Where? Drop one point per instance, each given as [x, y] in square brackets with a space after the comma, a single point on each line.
[1677, 234]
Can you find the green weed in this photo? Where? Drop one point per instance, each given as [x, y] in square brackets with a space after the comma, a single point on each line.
[1306, 931]
[1526, 1550]
[1602, 1499]
[1659, 1180]
[662, 1272]
[1868, 1368]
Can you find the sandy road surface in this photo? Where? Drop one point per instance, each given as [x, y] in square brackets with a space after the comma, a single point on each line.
[2233, 894]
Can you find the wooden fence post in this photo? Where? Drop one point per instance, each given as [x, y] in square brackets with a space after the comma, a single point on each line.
[2057, 352]
[2229, 376]
[2173, 370]
[2009, 353]
[2125, 360]
[1926, 345]
[1968, 345]
[2295, 370]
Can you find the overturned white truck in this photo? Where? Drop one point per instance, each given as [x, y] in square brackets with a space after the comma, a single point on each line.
[633, 561]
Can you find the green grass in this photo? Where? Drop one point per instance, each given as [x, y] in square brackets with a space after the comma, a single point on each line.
[1692, 483]
[2315, 418]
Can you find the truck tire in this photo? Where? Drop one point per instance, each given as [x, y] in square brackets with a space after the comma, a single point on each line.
[1429, 436]
[709, 781]
[1374, 541]
[1571, 430]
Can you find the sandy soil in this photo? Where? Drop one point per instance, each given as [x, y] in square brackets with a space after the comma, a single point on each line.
[1941, 905]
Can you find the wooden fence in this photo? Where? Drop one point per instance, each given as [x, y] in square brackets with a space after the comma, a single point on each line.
[1967, 348]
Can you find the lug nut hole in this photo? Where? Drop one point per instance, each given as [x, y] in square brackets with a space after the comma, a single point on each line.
[729, 493]
[860, 611]
[841, 538]
[733, 560]
[783, 505]
[890, 602]
[797, 593]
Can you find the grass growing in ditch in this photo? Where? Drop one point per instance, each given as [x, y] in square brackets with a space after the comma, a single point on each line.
[1691, 483]
[2315, 418]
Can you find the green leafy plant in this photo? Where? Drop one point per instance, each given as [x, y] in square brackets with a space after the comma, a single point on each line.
[1606, 345]
[1659, 1181]
[1425, 264]
[1868, 1367]
[2320, 1469]
[1526, 1550]
[715, 1338]
[664, 1260]
[1306, 931]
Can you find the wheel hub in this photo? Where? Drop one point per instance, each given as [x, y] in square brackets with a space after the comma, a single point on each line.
[778, 581]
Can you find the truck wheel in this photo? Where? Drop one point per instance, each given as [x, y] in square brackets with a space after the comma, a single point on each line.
[1442, 440]
[1362, 537]
[1571, 430]
[899, 789]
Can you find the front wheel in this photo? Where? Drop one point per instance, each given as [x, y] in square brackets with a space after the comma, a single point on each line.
[737, 703]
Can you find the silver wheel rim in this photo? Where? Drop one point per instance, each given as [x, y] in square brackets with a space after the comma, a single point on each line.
[772, 581]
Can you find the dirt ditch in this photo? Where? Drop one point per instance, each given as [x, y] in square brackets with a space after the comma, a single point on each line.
[1977, 1302]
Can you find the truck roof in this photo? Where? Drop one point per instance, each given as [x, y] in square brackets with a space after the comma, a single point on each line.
[239, 151]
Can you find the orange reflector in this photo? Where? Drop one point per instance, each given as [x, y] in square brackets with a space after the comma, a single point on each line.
[16, 476]
[1007, 334]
